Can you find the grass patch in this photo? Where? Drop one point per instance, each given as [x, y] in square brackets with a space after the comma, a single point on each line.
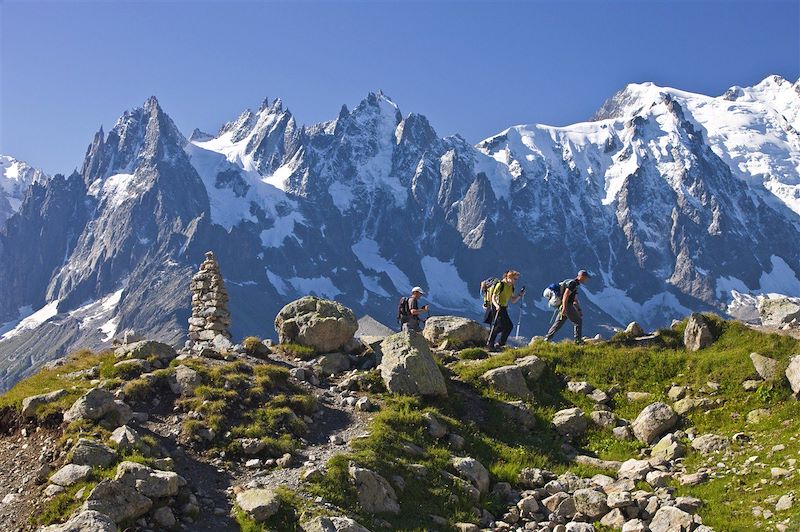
[286, 519]
[473, 353]
[297, 351]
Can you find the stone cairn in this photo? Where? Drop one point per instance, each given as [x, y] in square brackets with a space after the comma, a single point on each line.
[208, 326]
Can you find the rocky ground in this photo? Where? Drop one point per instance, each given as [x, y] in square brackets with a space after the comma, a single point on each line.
[684, 431]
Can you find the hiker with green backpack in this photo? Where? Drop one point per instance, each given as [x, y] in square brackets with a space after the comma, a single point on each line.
[564, 297]
[499, 297]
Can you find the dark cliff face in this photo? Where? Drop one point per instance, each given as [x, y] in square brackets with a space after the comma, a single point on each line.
[365, 206]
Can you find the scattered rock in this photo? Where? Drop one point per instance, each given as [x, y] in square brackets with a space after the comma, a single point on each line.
[407, 366]
[164, 517]
[756, 416]
[375, 494]
[435, 428]
[634, 397]
[570, 421]
[94, 404]
[531, 366]
[767, 368]
[507, 379]
[322, 324]
[125, 437]
[793, 374]
[150, 482]
[634, 329]
[697, 334]
[784, 503]
[333, 364]
[365, 404]
[580, 387]
[590, 503]
[184, 380]
[32, 403]
[622, 433]
[459, 331]
[117, 500]
[689, 404]
[70, 474]
[778, 311]
[653, 421]
[146, 349]
[85, 521]
[472, 470]
[676, 393]
[671, 519]
[710, 443]
[634, 469]
[603, 418]
[260, 504]
[92, 453]
[668, 448]
[693, 479]
[333, 524]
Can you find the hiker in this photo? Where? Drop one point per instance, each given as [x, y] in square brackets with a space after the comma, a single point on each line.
[500, 295]
[409, 312]
[570, 308]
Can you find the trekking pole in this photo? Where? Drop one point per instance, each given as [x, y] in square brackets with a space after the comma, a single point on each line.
[519, 320]
[494, 324]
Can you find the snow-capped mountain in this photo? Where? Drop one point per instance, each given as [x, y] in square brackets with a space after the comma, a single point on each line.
[677, 201]
[15, 178]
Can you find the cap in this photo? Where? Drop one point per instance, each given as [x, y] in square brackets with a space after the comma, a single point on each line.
[417, 289]
[583, 273]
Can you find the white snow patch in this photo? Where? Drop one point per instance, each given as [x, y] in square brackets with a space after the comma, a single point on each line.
[318, 286]
[30, 321]
[368, 253]
[782, 279]
[342, 195]
[109, 328]
[372, 284]
[277, 281]
[620, 306]
[446, 288]
[282, 229]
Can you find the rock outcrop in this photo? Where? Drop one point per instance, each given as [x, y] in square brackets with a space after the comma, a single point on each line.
[653, 422]
[457, 331]
[779, 311]
[697, 334]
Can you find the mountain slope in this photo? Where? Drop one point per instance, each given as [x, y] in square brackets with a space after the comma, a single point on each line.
[677, 201]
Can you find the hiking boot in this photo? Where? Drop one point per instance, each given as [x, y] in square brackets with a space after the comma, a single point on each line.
[493, 349]
[579, 341]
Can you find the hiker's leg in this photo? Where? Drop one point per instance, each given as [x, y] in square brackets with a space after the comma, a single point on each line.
[494, 331]
[506, 327]
[576, 318]
[555, 327]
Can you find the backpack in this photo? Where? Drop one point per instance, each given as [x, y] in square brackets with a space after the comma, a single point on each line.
[403, 311]
[486, 286]
[553, 293]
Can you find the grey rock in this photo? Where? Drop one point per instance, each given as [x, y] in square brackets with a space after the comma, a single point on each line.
[322, 324]
[375, 494]
[579, 526]
[668, 448]
[434, 427]
[622, 433]
[118, 501]
[333, 524]
[507, 379]
[472, 470]
[653, 421]
[260, 504]
[778, 311]
[693, 479]
[94, 404]
[125, 437]
[634, 525]
[671, 519]
[767, 368]
[634, 469]
[532, 366]
[150, 482]
[32, 403]
[690, 404]
[784, 503]
[604, 418]
[146, 349]
[70, 474]
[459, 331]
[92, 453]
[85, 521]
[634, 329]
[407, 366]
[710, 443]
[697, 334]
[676, 393]
[614, 519]
[570, 421]
[580, 387]
[591, 503]
[333, 363]
[164, 517]
[793, 374]
[184, 380]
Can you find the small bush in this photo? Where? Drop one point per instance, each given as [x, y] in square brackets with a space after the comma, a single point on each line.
[472, 353]
[298, 351]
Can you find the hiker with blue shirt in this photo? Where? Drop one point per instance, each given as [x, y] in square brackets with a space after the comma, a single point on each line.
[569, 307]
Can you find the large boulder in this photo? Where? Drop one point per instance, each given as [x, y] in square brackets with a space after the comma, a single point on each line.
[146, 349]
[407, 366]
[375, 494]
[793, 374]
[32, 403]
[507, 379]
[333, 524]
[322, 324]
[767, 368]
[654, 421]
[70, 474]
[118, 501]
[532, 366]
[697, 334]
[710, 443]
[779, 311]
[92, 453]
[85, 521]
[260, 504]
[94, 404]
[458, 331]
[668, 448]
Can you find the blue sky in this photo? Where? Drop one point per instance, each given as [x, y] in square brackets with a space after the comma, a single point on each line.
[471, 67]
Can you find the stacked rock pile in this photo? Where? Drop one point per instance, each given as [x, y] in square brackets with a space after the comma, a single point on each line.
[210, 320]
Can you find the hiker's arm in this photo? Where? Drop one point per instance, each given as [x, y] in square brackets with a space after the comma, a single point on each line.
[564, 300]
[496, 298]
[418, 311]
